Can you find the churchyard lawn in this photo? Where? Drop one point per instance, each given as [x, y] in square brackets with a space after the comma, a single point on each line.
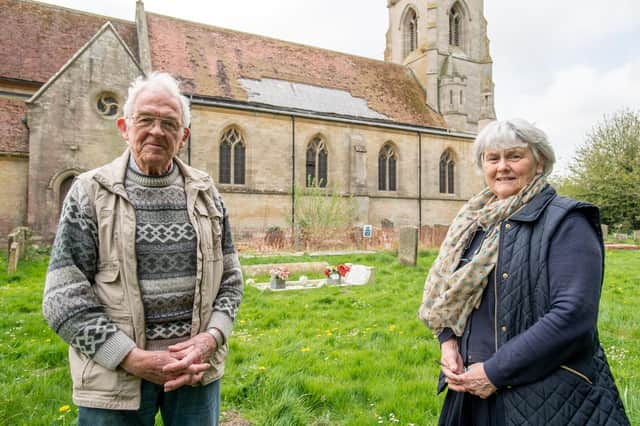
[330, 356]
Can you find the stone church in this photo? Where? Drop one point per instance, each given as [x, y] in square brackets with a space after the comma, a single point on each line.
[268, 115]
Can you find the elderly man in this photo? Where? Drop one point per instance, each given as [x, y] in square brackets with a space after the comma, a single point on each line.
[144, 283]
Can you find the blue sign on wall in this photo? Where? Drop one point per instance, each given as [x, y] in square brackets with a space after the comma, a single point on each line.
[367, 231]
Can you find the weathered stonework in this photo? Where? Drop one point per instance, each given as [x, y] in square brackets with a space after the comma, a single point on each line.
[67, 134]
[457, 79]
[13, 197]
[268, 186]
[408, 249]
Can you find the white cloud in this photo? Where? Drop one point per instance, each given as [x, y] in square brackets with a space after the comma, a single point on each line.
[575, 100]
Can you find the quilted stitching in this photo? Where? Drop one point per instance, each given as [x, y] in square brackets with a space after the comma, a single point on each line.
[562, 398]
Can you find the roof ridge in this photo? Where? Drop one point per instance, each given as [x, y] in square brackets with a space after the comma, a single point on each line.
[76, 11]
[292, 43]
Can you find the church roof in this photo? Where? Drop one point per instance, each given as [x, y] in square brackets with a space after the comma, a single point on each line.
[244, 67]
[37, 39]
[13, 133]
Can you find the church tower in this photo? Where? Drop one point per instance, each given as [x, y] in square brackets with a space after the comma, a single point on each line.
[445, 44]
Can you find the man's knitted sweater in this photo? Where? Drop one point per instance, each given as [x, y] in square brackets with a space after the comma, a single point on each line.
[165, 253]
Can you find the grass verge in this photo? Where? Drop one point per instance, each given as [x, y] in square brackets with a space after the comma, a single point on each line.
[329, 356]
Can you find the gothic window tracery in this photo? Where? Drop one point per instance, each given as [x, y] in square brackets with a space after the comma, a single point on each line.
[232, 157]
[387, 167]
[316, 163]
[447, 173]
[410, 32]
[455, 25]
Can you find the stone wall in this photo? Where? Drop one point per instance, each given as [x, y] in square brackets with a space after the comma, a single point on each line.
[265, 198]
[68, 134]
[13, 197]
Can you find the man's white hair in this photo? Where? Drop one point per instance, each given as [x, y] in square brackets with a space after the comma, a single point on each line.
[157, 81]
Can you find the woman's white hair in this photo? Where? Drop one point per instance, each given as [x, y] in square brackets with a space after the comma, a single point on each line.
[512, 133]
[156, 81]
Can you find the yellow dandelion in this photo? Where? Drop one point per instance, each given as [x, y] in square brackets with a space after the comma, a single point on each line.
[262, 368]
[305, 350]
[64, 409]
[242, 321]
[328, 333]
[47, 340]
[392, 327]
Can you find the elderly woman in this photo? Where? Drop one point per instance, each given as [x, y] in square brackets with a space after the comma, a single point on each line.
[513, 296]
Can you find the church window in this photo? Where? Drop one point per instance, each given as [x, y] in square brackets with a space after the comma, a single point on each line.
[451, 97]
[108, 105]
[316, 163]
[447, 172]
[455, 25]
[387, 162]
[232, 157]
[410, 32]
[461, 98]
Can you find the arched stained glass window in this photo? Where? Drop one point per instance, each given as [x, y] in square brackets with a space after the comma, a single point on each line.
[232, 157]
[387, 161]
[447, 173]
[316, 163]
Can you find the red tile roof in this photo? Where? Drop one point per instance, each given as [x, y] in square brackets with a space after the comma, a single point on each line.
[13, 133]
[215, 59]
[37, 39]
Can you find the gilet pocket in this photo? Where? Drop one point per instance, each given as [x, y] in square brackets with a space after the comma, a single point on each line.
[108, 284]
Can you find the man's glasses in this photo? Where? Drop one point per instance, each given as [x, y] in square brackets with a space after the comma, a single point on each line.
[143, 121]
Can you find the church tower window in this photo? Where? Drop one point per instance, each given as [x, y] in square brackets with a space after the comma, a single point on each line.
[455, 25]
[232, 157]
[447, 172]
[410, 32]
[316, 163]
[387, 165]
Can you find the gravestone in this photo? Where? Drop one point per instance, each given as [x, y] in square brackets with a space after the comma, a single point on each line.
[386, 223]
[294, 268]
[12, 264]
[636, 235]
[358, 275]
[408, 250]
[605, 231]
[21, 236]
[620, 237]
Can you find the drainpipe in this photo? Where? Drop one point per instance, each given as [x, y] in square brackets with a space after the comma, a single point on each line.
[189, 140]
[419, 184]
[293, 175]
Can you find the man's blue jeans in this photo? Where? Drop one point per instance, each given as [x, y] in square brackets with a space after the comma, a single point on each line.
[186, 406]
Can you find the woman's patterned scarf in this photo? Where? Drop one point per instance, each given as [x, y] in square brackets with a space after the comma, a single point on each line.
[451, 295]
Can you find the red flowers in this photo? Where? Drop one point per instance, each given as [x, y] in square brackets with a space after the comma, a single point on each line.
[341, 269]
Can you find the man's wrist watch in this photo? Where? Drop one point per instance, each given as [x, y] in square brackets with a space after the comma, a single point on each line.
[217, 336]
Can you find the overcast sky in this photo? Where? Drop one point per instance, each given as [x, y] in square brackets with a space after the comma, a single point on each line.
[563, 64]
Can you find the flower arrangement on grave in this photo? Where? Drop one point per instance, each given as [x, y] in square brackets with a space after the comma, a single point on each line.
[341, 270]
[280, 272]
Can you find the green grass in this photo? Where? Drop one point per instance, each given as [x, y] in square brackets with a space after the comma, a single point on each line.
[338, 356]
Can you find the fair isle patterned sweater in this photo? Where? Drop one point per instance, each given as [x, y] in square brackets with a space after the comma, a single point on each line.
[165, 255]
[165, 252]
